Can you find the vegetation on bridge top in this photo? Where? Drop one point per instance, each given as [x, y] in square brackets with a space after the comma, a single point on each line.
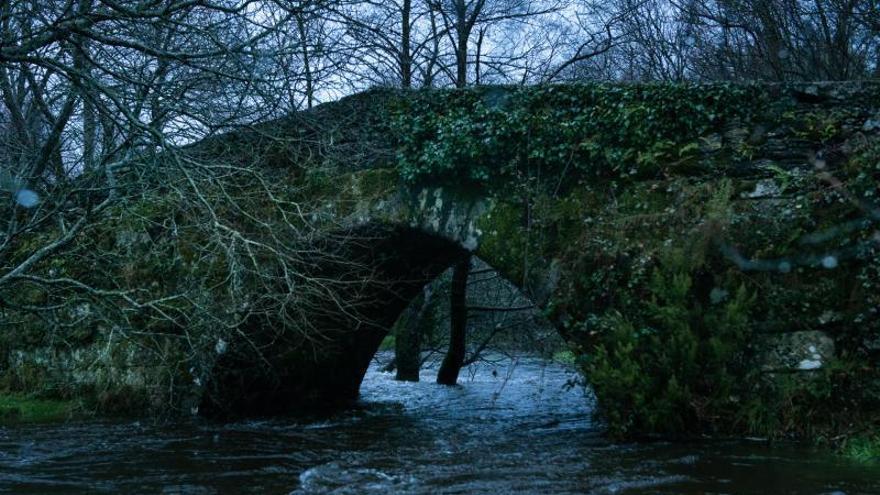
[486, 135]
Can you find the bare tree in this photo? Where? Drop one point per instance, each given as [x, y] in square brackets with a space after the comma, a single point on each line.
[391, 38]
[98, 97]
[741, 40]
[461, 19]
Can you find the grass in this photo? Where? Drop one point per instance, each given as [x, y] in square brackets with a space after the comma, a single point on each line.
[387, 343]
[21, 408]
[565, 357]
[863, 449]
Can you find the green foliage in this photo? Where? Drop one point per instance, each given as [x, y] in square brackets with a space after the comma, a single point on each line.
[864, 170]
[863, 449]
[565, 357]
[485, 135]
[676, 365]
[388, 342]
[16, 408]
[821, 126]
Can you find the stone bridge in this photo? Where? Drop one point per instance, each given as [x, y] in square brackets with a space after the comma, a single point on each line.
[735, 224]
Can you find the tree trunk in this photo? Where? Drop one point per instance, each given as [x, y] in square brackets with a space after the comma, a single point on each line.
[454, 360]
[462, 34]
[307, 65]
[90, 133]
[405, 45]
[428, 79]
[83, 64]
[479, 50]
[408, 342]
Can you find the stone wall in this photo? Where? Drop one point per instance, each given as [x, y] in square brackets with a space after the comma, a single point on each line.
[692, 284]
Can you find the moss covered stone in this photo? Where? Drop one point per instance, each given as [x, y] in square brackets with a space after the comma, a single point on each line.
[21, 408]
[678, 236]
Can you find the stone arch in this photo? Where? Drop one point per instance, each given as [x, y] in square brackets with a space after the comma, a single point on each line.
[404, 241]
[271, 372]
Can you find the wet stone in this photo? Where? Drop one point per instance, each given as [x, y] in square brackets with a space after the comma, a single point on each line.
[796, 351]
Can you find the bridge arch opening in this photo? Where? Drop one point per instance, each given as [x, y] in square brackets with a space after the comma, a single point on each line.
[269, 369]
[501, 323]
[376, 270]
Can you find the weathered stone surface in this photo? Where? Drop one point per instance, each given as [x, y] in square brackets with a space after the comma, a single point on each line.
[872, 124]
[807, 350]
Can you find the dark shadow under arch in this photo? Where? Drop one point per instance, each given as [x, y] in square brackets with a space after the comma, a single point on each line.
[277, 372]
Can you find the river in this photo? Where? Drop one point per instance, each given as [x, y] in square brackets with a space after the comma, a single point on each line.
[511, 427]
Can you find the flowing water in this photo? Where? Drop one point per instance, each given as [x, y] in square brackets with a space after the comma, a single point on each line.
[510, 428]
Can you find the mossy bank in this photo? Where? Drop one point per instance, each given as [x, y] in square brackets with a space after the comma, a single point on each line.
[20, 408]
